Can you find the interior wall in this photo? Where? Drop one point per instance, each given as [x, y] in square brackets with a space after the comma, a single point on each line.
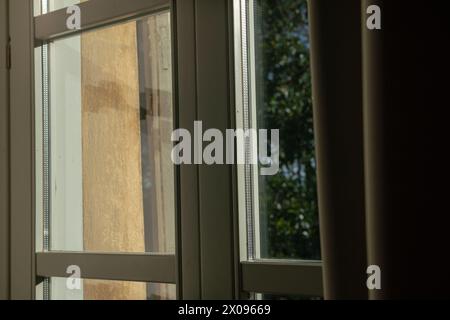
[4, 156]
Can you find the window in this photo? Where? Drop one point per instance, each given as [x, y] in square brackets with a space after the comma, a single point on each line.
[107, 103]
[283, 211]
[105, 182]
[106, 197]
[278, 212]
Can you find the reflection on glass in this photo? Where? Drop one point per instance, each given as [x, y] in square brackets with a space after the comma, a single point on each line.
[60, 289]
[110, 117]
[286, 211]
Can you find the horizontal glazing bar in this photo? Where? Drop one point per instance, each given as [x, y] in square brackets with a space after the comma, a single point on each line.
[283, 277]
[156, 268]
[94, 14]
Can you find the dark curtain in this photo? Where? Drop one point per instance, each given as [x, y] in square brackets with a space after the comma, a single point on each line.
[381, 99]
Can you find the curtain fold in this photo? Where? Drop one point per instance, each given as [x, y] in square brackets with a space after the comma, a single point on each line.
[337, 94]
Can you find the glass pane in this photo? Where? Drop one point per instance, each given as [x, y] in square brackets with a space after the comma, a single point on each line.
[45, 6]
[106, 156]
[69, 289]
[282, 221]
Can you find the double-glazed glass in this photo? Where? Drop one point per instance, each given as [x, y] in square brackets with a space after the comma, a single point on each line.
[105, 179]
[281, 211]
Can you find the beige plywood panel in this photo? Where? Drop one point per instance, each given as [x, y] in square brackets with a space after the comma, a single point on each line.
[113, 290]
[112, 186]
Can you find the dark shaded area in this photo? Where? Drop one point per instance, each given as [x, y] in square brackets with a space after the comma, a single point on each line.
[406, 117]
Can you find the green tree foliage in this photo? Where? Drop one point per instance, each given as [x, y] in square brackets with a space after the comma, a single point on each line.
[289, 199]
